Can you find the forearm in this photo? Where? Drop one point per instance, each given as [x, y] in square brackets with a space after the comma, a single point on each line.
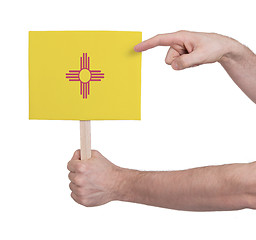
[240, 64]
[226, 187]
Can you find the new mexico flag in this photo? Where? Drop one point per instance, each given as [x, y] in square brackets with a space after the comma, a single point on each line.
[84, 75]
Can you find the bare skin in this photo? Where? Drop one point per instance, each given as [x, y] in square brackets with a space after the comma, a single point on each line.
[189, 49]
[213, 188]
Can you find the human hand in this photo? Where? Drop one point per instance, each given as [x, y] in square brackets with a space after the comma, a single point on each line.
[93, 182]
[189, 49]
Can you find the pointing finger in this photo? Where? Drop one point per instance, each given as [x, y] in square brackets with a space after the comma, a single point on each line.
[159, 40]
[76, 155]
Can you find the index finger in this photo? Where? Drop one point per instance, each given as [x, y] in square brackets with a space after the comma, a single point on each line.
[166, 39]
[72, 163]
[76, 155]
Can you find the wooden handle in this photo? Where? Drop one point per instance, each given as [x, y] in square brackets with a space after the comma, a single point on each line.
[85, 139]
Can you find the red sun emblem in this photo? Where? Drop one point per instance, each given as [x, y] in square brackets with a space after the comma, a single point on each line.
[85, 75]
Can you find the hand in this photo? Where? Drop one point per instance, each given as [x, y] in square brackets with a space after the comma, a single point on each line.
[93, 182]
[189, 49]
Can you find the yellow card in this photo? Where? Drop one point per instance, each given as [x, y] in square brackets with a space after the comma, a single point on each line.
[84, 75]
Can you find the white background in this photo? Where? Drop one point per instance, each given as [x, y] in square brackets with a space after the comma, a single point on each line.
[190, 118]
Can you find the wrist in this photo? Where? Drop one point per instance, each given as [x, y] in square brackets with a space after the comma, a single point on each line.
[125, 185]
[234, 51]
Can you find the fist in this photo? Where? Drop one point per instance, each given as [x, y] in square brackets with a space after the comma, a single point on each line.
[93, 182]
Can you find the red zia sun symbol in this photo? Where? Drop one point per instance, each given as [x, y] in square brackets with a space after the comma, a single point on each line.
[84, 75]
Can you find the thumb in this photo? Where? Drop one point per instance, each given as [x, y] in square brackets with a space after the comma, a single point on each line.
[187, 60]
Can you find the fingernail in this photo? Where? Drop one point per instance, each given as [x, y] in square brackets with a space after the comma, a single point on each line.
[135, 48]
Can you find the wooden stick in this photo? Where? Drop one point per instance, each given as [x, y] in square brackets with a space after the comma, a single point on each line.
[85, 139]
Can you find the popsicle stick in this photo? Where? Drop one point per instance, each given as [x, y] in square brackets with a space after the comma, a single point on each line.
[85, 139]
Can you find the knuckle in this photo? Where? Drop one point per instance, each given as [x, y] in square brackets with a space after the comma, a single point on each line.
[78, 180]
[158, 37]
[183, 34]
[69, 176]
[73, 196]
[96, 152]
[79, 192]
[80, 168]
[76, 198]
[68, 166]
[182, 31]
[87, 203]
